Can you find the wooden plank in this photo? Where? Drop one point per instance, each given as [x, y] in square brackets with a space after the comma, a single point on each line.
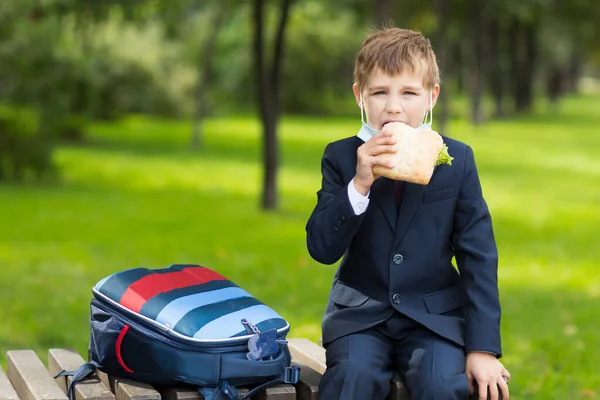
[277, 392]
[30, 378]
[68, 359]
[308, 386]
[309, 353]
[179, 393]
[127, 389]
[185, 392]
[108, 381]
[399, 391]
[7, 391]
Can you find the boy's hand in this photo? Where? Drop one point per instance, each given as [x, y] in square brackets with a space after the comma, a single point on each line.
[367, 154]
[488, 372]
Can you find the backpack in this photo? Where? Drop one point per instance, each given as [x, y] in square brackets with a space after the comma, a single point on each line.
[185, 324]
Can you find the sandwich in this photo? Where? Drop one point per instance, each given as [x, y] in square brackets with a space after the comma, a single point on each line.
[419, 152]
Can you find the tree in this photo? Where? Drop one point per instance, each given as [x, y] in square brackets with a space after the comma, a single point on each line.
[383, 11]
[268, 77]
[443, 47]
[205, 66]
[478, 62]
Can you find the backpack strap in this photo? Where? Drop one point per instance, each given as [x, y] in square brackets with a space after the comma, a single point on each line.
[78, 375]
[291, 375]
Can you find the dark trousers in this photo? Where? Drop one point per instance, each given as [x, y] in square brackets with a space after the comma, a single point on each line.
[360, 366]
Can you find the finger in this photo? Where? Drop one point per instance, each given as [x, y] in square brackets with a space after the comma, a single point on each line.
[380, 161]
[385, 139]
[384, 133]
[376, 150]
[483, 390]
[493, 391]
[471, 387]
[506, 374]
[368, 162]
[503, 389]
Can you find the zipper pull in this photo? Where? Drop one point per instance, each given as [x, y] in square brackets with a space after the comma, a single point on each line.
[250, 327]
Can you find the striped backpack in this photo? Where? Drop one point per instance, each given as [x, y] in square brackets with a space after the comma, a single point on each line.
[185, 324]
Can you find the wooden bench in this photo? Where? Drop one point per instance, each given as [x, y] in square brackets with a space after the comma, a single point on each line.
[27, 378]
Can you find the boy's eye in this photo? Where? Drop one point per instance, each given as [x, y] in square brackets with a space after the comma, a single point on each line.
[379, 92]
[411, 93]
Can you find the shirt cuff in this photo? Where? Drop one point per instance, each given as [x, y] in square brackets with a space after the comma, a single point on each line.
[483, 351]
[358, 202]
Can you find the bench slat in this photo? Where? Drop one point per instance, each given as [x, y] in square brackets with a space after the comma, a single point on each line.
[179, 393]
[68, 359]
[309, 353]
[308, 386]
[399, 391]
[30, 378]
[7, 391]
[108, 381]
[126, 389]
[278, 392]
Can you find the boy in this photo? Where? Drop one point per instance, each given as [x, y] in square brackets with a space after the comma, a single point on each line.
[397, 303]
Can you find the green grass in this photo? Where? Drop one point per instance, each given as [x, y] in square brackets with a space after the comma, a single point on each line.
[136, 196]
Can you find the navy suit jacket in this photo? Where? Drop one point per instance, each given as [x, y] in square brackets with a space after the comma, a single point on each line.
[402, 261]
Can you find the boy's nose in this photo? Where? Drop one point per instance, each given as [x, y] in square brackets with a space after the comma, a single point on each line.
[394, 107]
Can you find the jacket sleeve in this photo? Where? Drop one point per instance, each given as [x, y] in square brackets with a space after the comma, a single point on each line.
[333, 223]
[477, 260]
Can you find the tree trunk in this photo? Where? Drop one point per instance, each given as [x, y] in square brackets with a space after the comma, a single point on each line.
[496, 70]
[269, 78]
[478, 59]
[523, 44]
[443, 44]
[529, 63]
[383, 12]
[575, 68]
[555, 85]
[514, 35]
[205, 74]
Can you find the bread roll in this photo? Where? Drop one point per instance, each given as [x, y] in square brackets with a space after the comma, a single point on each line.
[417, 154]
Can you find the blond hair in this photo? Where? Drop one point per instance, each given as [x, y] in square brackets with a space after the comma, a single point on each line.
[394, 51]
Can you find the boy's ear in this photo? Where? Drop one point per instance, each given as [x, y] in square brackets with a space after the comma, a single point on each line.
[435, 92]
[356, 92]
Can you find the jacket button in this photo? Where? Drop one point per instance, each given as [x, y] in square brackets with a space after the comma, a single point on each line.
[396, 298]
[397, 259]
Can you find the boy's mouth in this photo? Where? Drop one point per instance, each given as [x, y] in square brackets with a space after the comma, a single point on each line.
[387, 121]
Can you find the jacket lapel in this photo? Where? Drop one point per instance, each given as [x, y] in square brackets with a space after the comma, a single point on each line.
[413, 195]
[382, 194]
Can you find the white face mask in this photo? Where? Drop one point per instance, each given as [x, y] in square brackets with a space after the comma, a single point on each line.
[367, 131]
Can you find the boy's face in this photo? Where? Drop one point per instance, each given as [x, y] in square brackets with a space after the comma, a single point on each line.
[400, 98]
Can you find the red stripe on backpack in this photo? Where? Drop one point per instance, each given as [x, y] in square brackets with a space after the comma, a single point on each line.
[142, 290]
[118, 349]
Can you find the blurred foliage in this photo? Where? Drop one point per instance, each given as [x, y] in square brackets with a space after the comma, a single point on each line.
[79, 61]
[25, 153]
[318, 73]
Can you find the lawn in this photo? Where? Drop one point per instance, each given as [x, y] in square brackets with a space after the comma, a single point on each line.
[135, 195]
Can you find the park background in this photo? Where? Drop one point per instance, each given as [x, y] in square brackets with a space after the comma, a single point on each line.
[146, 133]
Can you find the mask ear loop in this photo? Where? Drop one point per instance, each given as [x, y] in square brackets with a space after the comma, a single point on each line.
[429, 112]
[430, 107]
[362, 110]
